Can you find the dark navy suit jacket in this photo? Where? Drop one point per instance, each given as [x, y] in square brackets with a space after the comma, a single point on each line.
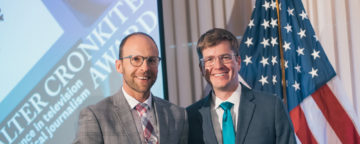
[262, 119]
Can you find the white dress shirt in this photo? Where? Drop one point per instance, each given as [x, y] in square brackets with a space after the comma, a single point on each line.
[217, 112]
[136, 115]
[133, 102]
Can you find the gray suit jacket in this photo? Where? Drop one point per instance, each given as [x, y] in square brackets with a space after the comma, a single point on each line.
[110, 121]
[262, 119]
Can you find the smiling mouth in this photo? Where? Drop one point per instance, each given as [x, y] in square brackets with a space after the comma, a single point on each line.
[143, 78]
[219, 75]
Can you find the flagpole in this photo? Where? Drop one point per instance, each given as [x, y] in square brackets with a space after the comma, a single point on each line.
[282, 62]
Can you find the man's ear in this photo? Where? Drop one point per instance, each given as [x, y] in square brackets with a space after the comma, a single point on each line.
[202, 69]
[119, 65]
[238, 59]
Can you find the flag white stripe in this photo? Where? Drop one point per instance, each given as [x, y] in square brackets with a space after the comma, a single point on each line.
[297, 139]
[331, 135]
[316, 121]
[338, 90]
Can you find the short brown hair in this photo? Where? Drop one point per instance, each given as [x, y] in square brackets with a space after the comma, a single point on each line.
[214, 37]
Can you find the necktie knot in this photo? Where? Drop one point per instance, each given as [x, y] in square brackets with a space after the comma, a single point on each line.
[226, 105]
[228, 132]
[142, 108]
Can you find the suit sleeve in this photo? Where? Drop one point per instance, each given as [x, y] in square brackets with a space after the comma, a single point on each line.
[89, 131]
[185, 132]
[284, 129]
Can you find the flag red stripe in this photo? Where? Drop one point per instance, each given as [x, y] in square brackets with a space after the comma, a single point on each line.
[301, 127]
[336, 115]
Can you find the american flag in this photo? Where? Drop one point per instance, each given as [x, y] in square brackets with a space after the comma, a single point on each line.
[318, 111]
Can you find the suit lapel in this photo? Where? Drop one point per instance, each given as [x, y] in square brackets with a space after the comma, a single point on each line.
[246, 110]
[125, 117]
[162, 120]
[207, 125]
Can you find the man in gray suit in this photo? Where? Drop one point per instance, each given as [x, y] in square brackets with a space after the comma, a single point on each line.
[233, 113]
[134, 115]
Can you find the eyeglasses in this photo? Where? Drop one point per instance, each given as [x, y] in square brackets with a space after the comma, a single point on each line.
[210, 61]
[139, 60]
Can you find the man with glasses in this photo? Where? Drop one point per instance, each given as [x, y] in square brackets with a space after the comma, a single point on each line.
[134, 115]
[233, 113]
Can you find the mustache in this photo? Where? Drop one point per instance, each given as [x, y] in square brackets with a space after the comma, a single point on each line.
[147, 73]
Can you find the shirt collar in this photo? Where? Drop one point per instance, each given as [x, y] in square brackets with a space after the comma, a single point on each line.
[234, 98]
[133, 102]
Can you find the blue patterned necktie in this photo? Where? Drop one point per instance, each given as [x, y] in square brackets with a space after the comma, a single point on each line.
[228, 131]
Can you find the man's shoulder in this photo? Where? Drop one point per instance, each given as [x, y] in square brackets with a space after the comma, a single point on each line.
[197, 105]
[103, 105]
[167, 104]
[260, 96]
[169, 109]
[265, 102]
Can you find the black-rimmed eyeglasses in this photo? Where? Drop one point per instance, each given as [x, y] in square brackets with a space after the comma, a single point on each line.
[138, 60]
